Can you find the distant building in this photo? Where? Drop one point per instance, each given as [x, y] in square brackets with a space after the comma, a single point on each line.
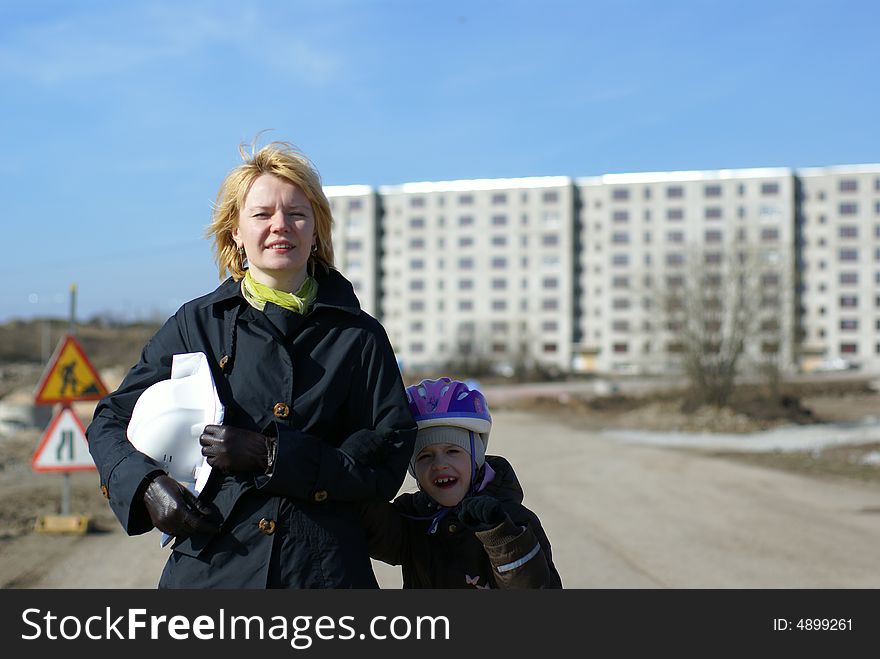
[572, 274]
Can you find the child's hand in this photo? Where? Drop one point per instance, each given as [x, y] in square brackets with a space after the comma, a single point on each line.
[481, 513]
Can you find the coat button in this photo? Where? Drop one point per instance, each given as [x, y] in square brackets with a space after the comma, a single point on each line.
[223, 360]
[453, 528]
[267, 526]
[281, 410]
[319, 496]
[105, 491]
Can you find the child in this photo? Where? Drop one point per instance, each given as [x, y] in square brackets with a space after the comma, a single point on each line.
[466, 527]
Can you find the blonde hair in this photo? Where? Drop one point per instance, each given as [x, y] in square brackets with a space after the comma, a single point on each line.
[285, 161]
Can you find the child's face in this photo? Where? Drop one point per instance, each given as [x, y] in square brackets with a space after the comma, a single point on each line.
[444, 473]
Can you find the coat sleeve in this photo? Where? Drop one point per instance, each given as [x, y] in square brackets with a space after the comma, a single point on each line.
[371, 462]
[385, 530]
[520, 555]
[123, 470]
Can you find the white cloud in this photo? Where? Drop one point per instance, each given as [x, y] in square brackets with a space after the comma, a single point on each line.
[128, 39]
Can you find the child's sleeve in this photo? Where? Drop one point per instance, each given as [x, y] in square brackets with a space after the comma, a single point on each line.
[520, 555]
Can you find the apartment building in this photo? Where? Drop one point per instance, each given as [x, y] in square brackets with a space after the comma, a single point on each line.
[586, 274]
[478, 272]
[356, 214]
[839, 226]
[647, 238]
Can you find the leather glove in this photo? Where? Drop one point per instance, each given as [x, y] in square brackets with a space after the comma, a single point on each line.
[481, 512]
[176, 511]
[232, 449]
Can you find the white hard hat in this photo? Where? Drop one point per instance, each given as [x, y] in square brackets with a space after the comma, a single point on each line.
[170, 415]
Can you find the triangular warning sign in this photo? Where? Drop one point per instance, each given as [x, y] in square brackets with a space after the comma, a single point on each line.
[63, 446]
[69, 376]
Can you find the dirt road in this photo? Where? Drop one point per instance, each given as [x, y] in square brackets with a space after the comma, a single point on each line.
[617, 515]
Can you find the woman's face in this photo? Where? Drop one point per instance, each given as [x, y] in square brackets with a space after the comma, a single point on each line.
[444, 473]
[276, 227]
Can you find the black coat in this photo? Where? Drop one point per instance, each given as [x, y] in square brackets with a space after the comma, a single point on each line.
[318, 382]
[515, 554]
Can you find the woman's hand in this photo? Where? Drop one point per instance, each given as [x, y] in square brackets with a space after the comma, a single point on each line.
[232, 449]
[176, 511]
[481, 513]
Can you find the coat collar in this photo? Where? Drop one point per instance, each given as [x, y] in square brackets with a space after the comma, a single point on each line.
[334, 292]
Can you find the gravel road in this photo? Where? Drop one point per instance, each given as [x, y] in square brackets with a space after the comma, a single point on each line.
[619, 514]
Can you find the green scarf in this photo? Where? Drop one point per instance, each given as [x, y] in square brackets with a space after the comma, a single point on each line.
[258, 294]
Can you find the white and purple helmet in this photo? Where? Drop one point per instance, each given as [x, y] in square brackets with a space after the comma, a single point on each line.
[447, 402]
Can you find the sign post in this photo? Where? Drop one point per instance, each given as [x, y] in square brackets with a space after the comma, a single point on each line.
[68, 377]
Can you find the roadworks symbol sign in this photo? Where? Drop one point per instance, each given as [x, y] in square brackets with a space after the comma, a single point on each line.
[69, 376]
[63, 446]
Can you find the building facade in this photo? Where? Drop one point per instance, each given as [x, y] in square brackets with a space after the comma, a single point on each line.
[613, 273]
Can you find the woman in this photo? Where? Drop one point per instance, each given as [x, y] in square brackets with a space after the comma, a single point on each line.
[305, 376]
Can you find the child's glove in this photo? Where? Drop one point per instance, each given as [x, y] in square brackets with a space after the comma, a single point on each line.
[481, 513]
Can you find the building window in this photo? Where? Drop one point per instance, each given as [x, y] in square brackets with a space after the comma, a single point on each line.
[848, 254]
[620, 259]
[768, 189]
[849, 324]
[620, 282]
[550, 304]
[712, 191]
[620, 238]
[713, 236]
[499, 284]
[465, 284]
[620, 216]
[848, 231]
[466, 263]
[499, 262]
[620, 303]
[769, 234]
[549, 326]
[416, 223]
[465, 241]
[712, 258]
[675, 259]
[549, 347]
[550, 197]
[465, 200]
[674, 214]
[417, 285]
[620, 326]
[499, 305]
[498, 326]
[417, 243]
[770, 279]
[499, 220]
[620, 194]
[674, 192]
[675, 236]
[849, 348]
[550, 282]
[354, 245]
[848, 185]
[712, 212]
[416, 305]
[620, 348]
[417, 326]
[848, 209]
[849, 301]
[466, 221]
[465, 305]
[550, 240]
[499, 241]
[416, 347]
[499, 198]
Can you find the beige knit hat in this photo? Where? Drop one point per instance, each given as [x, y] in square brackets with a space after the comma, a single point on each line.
[448, 435]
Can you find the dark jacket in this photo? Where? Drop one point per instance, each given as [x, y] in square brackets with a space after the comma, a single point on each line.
[512, 555]
[318, 382]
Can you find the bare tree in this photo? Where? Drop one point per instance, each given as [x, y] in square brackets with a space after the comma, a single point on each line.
[724, 310]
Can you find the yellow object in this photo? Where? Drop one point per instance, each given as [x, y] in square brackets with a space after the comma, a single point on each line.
[69, 376]
[75, 524]
[258, 295]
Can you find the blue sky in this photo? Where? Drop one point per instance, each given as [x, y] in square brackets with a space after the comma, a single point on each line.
[120, 119]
